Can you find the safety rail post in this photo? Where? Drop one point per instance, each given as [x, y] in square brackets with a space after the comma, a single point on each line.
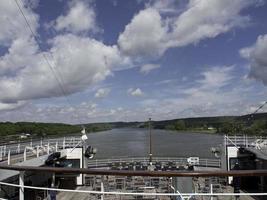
[102, 187]
[18, 149]
[1, 156]
[48, 146]
[211, 191]
[8, 157]
[21, 183]
[56, 146]
[37, 151]
[25, 154]
[63, 144]
[4, 150]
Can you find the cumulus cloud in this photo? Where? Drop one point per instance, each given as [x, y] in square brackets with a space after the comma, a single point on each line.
[150, 35]
[256, 54]
[204, 97]
[79, 18]
[144, 35]
[11, 106]
[145, 69]
[78, 62]
[102, 92]
[15, 29]
[135, 92]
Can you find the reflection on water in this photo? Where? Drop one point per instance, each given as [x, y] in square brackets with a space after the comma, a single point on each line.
[135, 142]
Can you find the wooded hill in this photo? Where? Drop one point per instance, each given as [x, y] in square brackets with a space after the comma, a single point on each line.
[256, 124]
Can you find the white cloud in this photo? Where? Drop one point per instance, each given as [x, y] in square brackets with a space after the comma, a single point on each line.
[205, 97]
[144, 35]
[135, 92]
[12, 23]
[79, 62]
[102, 92]
[150, 35]
[79, 18]
[11, 106]
[256, 54]
[145, 69]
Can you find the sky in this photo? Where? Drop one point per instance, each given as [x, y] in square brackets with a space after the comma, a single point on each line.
[85, 61]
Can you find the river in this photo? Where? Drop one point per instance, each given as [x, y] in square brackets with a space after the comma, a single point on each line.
[130, 142]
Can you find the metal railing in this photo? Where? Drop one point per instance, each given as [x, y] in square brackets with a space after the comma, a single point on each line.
[246, 141]
[237, 173]
[204, 162]
[14, 153]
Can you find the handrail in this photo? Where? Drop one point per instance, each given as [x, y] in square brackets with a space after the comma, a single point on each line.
[133, 193]
[219, 173]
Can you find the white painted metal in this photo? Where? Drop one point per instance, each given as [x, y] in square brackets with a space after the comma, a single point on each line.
[25, 154]
[211, 191]
[56, 146]
[8, 157]
[37, 151]
[102, 187]
[135, 193]
[21, 183]
[5, 150]
[1, 153]
[48, 146]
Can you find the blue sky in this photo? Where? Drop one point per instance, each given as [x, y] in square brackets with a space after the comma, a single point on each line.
[126, 60]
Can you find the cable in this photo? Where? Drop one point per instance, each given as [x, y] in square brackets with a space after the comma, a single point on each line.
[256, 111]
[59, 80]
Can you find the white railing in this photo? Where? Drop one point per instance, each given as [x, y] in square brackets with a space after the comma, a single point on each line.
[244, 140]
[205, 162]
[103, 193]
[14, 153]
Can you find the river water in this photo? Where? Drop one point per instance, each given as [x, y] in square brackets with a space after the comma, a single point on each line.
[129, 142]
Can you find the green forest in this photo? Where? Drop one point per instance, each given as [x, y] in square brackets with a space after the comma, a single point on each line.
[247, 124]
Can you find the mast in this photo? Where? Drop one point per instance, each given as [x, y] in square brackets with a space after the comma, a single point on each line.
[150, 142]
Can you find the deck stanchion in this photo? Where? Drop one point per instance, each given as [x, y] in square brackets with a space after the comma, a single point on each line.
[21, 183]
[8, 157]
[63, 145]
[211, 191]
[1, 151]
[48, 146]
[25, 154]
[56, 146]
[4, 150]
[18, 149]
[37, 151]
[102, 187]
